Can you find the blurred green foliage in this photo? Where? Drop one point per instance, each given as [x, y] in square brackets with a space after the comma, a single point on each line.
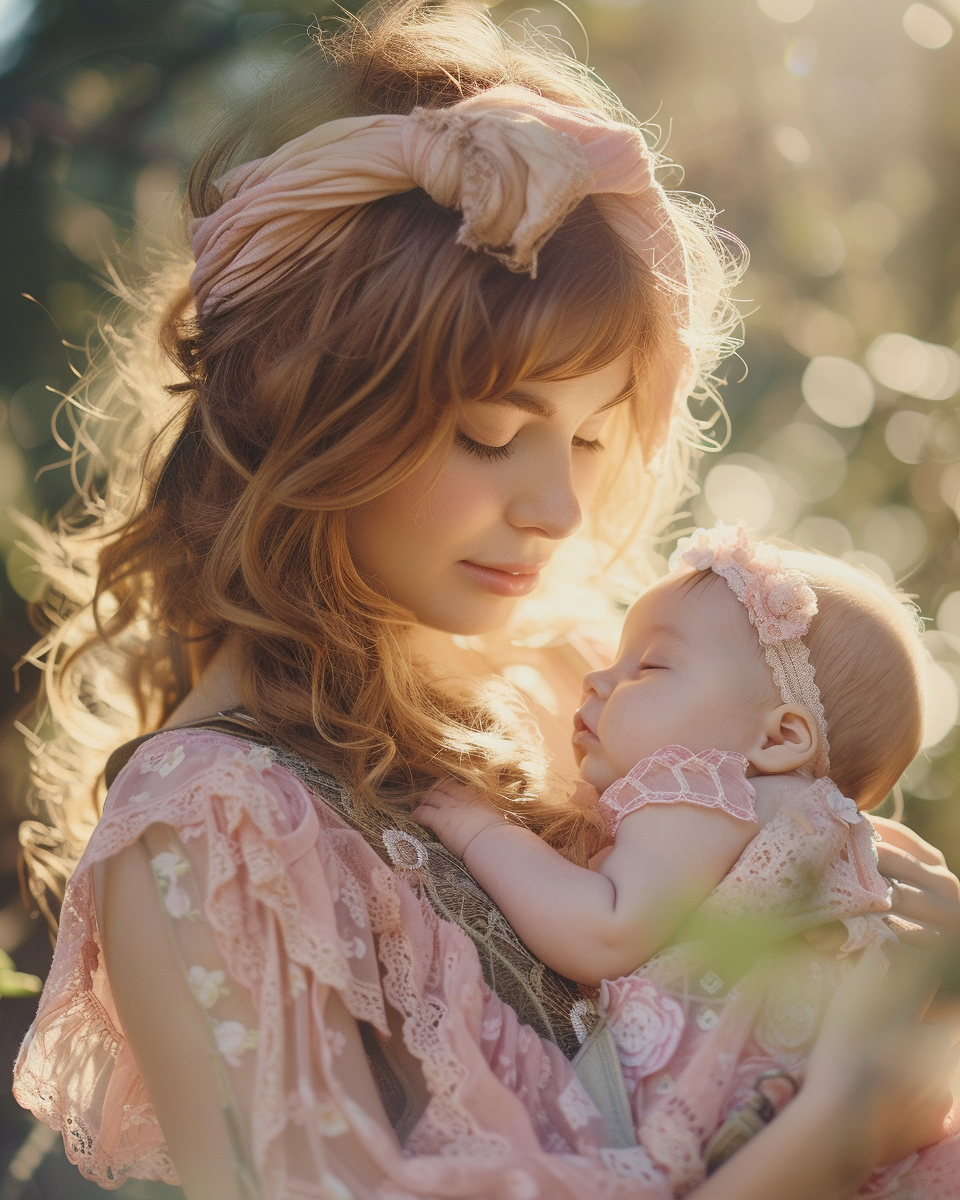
[826, 131]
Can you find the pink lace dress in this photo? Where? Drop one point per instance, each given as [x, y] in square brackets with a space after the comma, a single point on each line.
[691, 1047]
[274, 903]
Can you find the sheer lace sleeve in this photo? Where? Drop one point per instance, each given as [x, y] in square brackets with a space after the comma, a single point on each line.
[675, 775]
[311, 1024]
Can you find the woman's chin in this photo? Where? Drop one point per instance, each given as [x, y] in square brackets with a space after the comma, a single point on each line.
[469, 619]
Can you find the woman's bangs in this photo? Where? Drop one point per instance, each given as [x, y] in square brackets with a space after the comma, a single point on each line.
[591, 302]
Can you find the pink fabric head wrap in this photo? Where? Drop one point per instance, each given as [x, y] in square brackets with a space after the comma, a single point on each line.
[514, 163]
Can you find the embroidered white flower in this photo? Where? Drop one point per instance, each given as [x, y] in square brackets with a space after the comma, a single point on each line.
[335, 1040]
[521, 1186]
[355, 948]
[330, 1120]
[167, 867]
[170, 761]
[207, 986]
[546, 1073]
[490, 1028]
[334, 1188]
[576, 1105]
[297, 979]
[138, 798]
[232, 1038]
[260, 758]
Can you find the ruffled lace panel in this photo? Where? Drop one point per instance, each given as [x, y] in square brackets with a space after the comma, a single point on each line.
[275, 905]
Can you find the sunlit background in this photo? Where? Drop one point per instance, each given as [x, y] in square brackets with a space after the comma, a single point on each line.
[827, 132]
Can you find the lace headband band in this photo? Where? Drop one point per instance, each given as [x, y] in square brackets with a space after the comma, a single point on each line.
[780, 604]
[514, 163]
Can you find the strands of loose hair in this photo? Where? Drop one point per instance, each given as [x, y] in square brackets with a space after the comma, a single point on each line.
[213, 483]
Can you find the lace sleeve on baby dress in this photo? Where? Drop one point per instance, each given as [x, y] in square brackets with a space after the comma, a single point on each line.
[276, 908]
[675, 775]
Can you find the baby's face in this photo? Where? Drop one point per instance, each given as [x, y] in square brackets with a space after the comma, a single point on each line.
[690, 672]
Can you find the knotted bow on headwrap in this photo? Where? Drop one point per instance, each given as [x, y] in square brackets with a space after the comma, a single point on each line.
[514, 163]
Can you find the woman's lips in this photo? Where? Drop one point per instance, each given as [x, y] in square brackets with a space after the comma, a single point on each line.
[505, 579]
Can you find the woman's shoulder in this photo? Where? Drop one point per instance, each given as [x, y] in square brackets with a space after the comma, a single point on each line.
[202, 780]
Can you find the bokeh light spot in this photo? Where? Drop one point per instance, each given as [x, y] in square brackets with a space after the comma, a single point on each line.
[823, 534]
[873, 564]
[792, 144]
[24, 573]
[800, 56]
[941, 703]
[815, 330]
[874, 226]
[785, 11]
[950, 486]
[897, 535]
[738, 493]
[809, 458]
[927, 27]
[12, 475]
[839, 391]
[948, 614]
[906, 364]
[906, 435]
[90, 97]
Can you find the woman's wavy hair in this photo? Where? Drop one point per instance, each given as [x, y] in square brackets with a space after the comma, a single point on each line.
[212, 499]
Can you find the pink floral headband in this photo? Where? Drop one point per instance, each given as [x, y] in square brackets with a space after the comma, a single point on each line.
[514, 163]
[780, 604]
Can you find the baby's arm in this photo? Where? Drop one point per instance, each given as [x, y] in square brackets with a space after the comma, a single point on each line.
[592, 925]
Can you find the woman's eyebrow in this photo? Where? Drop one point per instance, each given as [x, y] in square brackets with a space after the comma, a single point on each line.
[541, 408]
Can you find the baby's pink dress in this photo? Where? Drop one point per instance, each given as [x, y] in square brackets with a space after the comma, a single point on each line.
[691, 1046]
[274, 902]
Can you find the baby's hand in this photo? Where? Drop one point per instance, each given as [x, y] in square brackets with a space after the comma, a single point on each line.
[456, 814]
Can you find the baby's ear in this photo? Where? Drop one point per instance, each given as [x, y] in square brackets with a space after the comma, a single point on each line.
[788, 741]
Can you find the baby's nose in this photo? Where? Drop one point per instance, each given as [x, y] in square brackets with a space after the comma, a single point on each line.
[597, 682]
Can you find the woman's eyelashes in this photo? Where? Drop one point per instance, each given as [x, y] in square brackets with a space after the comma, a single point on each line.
[485, 451]
[481, 449]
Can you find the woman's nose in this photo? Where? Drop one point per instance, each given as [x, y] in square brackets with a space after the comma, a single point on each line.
[548, 503]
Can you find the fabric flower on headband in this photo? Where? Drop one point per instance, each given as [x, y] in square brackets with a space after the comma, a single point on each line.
[779, 600]
[780, 604]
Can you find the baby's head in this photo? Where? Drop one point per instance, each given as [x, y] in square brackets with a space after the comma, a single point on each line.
[692, 670]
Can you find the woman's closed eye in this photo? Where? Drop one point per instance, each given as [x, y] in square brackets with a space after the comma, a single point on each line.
[485, 451]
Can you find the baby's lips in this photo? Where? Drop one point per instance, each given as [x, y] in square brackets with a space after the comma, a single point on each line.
[580, 725]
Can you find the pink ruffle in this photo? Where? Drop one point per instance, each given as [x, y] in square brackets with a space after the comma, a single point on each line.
[298, 904]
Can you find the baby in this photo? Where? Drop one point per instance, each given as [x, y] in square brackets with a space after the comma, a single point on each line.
[727, 801]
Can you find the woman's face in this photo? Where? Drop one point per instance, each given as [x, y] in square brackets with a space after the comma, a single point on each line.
[460, 540]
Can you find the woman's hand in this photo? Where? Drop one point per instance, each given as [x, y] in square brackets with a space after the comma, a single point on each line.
[456, 814]
[926, 896]
[879, 1064]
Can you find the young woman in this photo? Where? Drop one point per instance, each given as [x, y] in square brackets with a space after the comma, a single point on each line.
[438, 340]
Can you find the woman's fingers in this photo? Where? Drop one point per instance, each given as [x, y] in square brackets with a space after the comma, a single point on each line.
[891, 1070]
[916, 906]
[925, 900]
[902, 836]
[896, 863]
